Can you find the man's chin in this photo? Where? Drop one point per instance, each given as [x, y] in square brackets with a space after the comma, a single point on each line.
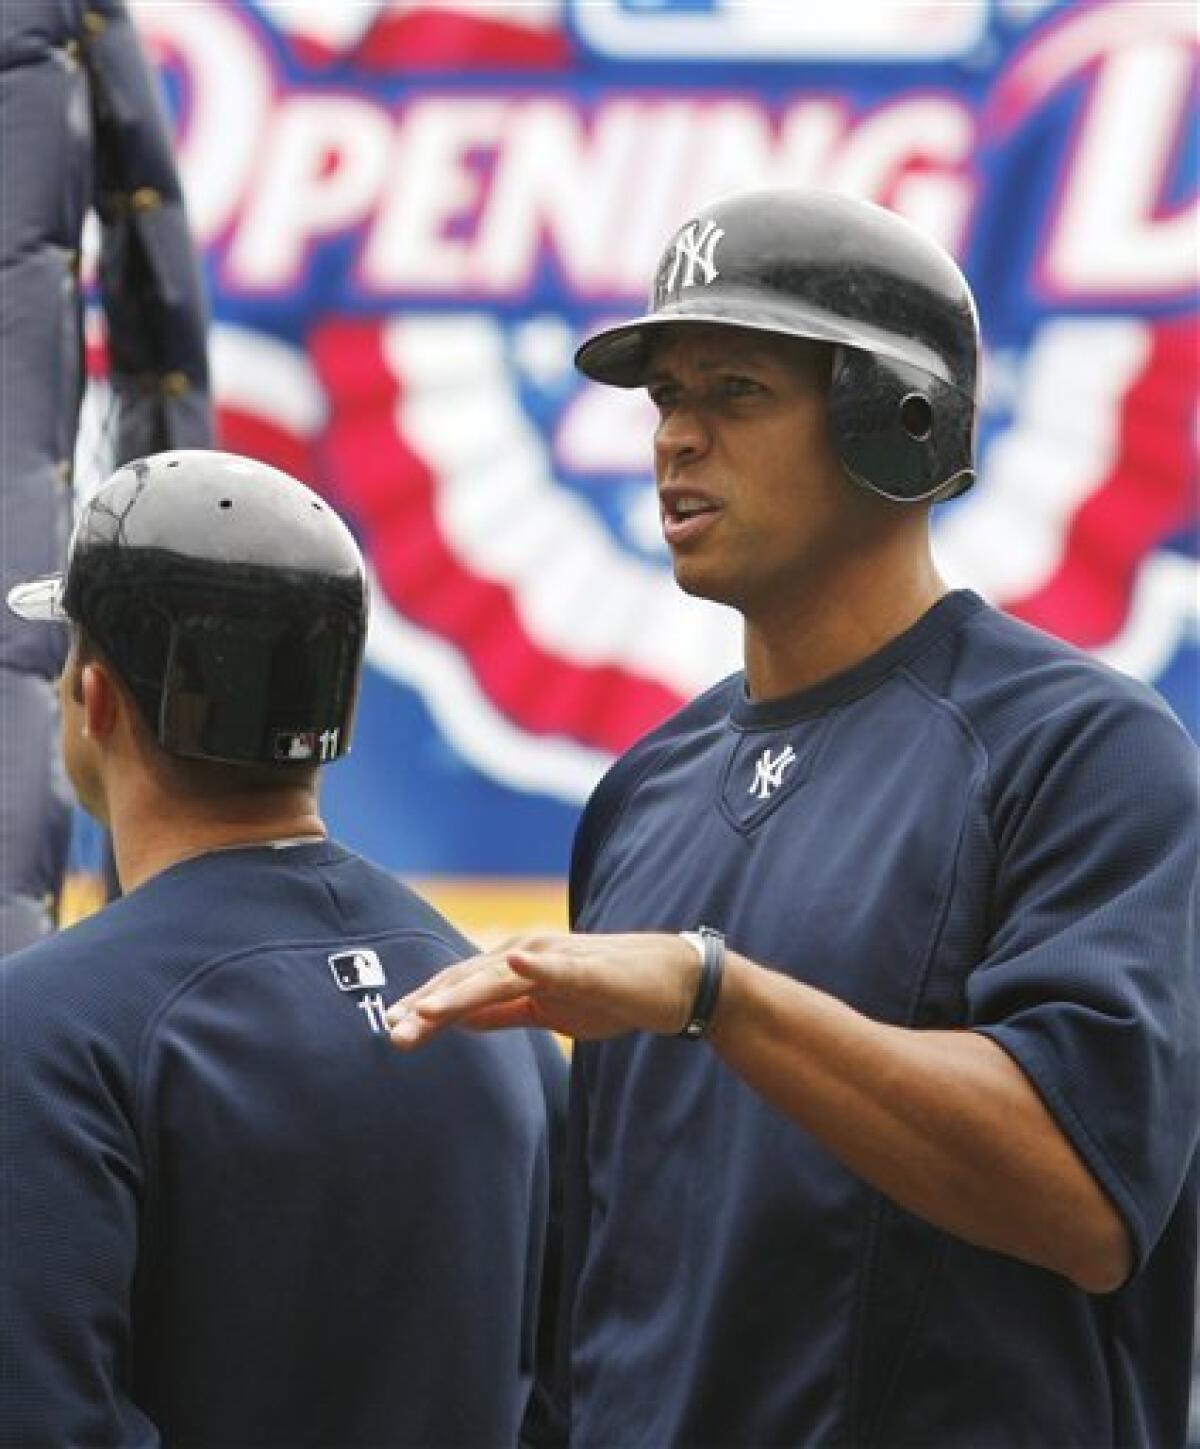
[703, 583]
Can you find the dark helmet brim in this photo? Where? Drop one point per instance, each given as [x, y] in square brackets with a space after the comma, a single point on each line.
[39, 600]
[622, 356]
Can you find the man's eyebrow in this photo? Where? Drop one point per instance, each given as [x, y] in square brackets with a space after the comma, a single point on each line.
[734, 357]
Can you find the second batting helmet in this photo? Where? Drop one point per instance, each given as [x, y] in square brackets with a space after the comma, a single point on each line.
[230, 599]
[804, 263]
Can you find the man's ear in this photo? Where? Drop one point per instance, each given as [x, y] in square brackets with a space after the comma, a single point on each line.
[100, 699]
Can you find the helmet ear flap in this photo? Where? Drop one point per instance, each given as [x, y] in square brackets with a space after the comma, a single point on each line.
[899, 431]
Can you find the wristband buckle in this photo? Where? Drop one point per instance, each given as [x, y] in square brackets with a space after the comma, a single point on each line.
[709, 944]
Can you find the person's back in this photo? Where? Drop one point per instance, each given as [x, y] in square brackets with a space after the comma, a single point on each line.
[336, 1246]
[231, 1217]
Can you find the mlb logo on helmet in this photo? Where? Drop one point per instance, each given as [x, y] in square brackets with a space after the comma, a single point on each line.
[295, 745]
[357, 970]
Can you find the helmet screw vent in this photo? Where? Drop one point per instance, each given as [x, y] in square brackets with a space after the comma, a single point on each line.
[916, 416]
[225, 503]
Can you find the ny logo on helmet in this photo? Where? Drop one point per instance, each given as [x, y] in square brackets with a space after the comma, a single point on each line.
[694, 248]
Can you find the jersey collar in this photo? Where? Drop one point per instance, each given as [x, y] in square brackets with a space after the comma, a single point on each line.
[861, 678]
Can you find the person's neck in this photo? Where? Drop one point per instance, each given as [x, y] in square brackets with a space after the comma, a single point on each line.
[821, 632]
[149, 837]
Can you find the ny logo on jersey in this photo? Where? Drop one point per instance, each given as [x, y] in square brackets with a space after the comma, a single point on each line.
[694, 248]
[769, 770]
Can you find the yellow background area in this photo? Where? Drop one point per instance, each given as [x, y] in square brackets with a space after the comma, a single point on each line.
[488, 910]
[485, 909]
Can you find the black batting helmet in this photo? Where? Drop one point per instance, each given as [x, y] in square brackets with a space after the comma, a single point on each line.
[230, 599]
[804, 263]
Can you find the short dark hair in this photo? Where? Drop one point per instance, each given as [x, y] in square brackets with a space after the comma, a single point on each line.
[193, 778]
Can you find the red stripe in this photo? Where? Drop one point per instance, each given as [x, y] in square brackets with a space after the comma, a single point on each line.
[95, 354]
[1148, 494]
[389, 490]
[311, 52]
[433, 39]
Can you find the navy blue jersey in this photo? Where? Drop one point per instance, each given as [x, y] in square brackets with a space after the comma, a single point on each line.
[233, 1215]
[976, 828]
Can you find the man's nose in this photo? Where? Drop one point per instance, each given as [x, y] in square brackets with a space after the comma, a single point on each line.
[681, 434]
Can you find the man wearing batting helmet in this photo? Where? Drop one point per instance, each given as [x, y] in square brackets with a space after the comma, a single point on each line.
[232, 1216]
[885, 1104]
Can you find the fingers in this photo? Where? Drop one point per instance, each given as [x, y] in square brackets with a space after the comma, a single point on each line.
[539, 963]
[439, 981]
[447, 977]
[522, 1012]
[460, 995]
[414, 1031]
[584, 986]
[491, 984]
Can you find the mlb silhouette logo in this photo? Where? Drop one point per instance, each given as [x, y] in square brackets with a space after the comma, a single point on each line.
[295, 745]
[357, 970]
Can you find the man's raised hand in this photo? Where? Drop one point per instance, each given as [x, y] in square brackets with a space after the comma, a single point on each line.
[588, 987]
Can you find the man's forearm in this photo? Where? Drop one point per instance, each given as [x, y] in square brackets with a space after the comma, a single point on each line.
[945, 1123]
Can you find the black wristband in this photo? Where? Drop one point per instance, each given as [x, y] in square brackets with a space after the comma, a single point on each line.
[712, 969]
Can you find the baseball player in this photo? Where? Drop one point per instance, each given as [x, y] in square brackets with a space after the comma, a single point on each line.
[231, 1215]
[885, 1109]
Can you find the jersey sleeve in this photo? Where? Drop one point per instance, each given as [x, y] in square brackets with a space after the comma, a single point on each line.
[602, 808]
[68, 1234]
[1091, 980]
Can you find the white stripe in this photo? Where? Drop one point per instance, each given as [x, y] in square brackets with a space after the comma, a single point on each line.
[266, 378]
[540, 764]
[577, 593]
[1164, 613]
[1008, 537]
